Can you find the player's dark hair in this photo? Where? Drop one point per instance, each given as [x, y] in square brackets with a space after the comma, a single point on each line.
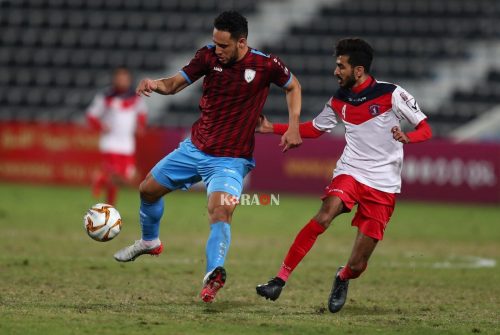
[359, 51]
[232, 22]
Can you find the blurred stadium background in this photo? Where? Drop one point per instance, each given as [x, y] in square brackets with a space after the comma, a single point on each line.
[56, 54]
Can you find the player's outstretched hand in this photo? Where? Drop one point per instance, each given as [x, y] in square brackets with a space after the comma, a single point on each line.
[264, 126]
[146, 87]
[399, 135]
[290, 139]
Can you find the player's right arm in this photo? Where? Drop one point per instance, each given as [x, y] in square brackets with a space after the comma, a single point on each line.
[164, 86]
[95, 111]
[306, 129]
[195, 69]
[323, 123]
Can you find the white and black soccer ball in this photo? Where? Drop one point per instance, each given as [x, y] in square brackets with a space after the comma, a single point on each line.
[102, 222]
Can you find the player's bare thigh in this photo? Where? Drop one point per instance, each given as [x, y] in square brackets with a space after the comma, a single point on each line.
[151, 191]
[218, 209]
[331, 207]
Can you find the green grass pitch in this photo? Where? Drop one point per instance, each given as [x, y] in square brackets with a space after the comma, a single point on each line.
[436, 272]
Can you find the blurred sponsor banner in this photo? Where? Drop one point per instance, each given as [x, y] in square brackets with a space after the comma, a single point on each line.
[434, 170]
[47, 153]
[67, 153]
[442, 170]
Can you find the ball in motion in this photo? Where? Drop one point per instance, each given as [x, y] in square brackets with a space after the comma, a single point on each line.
[102, 222]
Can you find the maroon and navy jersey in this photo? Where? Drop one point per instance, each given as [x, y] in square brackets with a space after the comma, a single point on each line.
[232, 100]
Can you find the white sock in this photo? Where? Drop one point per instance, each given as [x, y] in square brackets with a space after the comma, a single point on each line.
[152, 243]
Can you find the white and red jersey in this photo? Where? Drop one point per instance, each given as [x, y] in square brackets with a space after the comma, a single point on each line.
[118, 115]
[369, 112]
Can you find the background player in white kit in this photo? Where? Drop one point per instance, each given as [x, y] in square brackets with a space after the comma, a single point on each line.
[369, 171]
[118, 113]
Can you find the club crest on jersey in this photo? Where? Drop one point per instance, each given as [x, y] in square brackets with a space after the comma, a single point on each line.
[374, 109]
[249, 75]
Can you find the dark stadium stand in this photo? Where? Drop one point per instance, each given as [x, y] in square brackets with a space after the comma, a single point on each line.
[467, 104]
[409, 36]
[55, 54]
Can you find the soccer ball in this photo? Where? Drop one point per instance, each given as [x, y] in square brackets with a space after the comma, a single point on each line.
[102, 222]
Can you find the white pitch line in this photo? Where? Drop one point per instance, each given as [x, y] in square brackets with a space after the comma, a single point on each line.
[469, 262]
[464, 262]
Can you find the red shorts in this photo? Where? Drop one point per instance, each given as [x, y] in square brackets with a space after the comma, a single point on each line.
[374, 207]
[118, 164]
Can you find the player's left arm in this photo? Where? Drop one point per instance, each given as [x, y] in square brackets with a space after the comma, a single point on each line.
[291, 138]
[406, 107]
[422, 132]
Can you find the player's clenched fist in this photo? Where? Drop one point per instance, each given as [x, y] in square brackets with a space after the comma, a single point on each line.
[146, 87]
[399, 135]
[290, 139]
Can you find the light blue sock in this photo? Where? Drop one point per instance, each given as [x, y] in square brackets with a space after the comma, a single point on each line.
[218, 244]
[150, 216]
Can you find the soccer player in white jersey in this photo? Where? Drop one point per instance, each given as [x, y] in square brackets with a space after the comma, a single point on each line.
[368, 174]
[118, 113]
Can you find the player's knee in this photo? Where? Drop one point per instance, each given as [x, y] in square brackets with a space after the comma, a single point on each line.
[323, 219]
[357, 268]
[220, 214]
[147, 193]
[330, 208]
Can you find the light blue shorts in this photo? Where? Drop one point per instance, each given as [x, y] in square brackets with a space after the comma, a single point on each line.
[188, 165]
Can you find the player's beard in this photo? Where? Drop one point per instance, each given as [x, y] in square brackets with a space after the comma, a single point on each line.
[231, 60]
[349, 82]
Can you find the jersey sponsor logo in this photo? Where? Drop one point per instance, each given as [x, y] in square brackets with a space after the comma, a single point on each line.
[249, 75]
[374, 109]
[413, 105]
[217, 68]
[330, 189]
[338, 190]
[371, 93]
[356, 100]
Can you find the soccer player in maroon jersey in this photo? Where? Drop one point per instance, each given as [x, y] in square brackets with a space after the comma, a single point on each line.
[368, 174]
[219, 152]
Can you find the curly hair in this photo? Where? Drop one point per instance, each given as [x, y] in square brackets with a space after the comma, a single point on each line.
[232, 22]
[359, 51]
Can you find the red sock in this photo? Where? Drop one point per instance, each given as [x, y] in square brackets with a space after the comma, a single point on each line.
[112, 191]
[98, 183]
[303, 243]
[347, 273]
